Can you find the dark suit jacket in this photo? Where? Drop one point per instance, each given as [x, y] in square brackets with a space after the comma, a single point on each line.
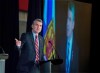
[75, 59]
[26, 62]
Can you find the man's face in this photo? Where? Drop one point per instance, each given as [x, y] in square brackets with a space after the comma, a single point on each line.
[70, 24]
[37, 27]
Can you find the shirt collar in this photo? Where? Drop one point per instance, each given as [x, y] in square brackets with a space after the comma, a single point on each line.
[34, 34]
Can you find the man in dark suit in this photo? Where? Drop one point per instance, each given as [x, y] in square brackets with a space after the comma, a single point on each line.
[71, 49]
[29, 57]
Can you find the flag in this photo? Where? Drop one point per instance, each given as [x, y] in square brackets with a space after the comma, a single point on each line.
[49, 28]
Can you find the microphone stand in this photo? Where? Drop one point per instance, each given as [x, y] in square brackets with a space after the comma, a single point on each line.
[53, 61]
[58, 60]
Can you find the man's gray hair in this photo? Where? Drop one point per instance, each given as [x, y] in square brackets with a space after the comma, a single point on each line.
[39, 20]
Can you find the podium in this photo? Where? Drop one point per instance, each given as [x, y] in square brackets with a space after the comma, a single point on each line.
[3, 57]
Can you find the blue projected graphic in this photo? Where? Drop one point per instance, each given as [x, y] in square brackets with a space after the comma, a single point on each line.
[49, 28]
[69, 34]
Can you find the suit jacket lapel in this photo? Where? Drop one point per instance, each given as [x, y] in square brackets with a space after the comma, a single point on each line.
[32, 40]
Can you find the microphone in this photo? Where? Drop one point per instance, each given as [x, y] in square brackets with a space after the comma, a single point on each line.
[3, 55]
[2, 50]
[55, 61]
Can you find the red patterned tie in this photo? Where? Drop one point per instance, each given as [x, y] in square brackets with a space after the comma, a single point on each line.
[37, 49]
